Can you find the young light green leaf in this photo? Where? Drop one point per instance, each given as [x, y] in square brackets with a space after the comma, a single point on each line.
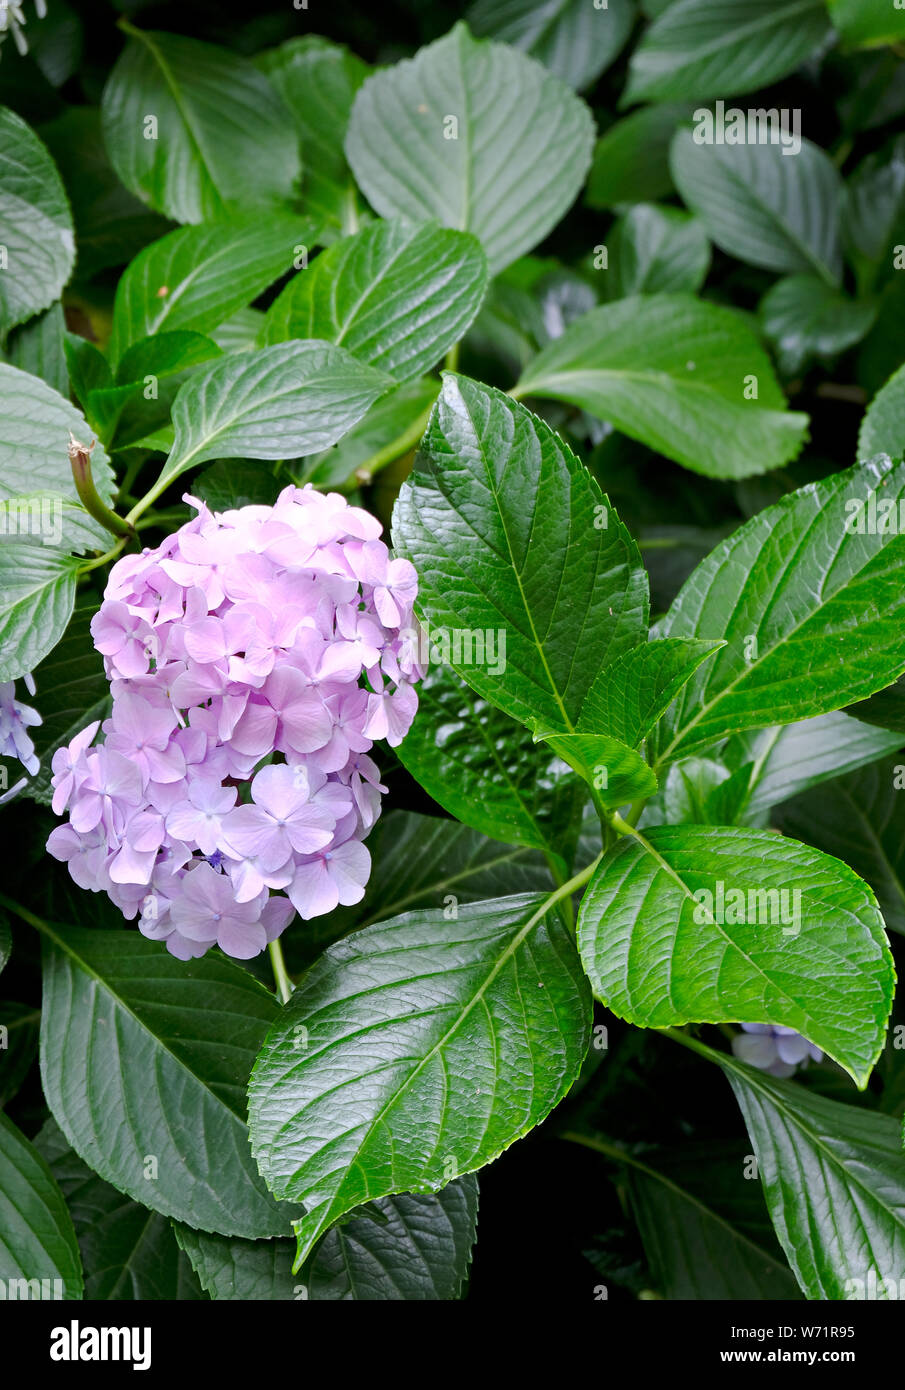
[462, 1041]
[317, 81]
[395, 295]
[883, 427]
[862, 817]
[575, 40]
[834, 1179]
[655, 250]
[803, 318]
[771, 210]
[475, 135]
[630, 694]
[35, 225]
[197, 277]
[143, 1055]
[217, 133]
[617, 774]
[283, 401]
[485, 769]
[512, 537]
[37, 1239]
[687, 378]
[37, 594]
[709, 925]
[413, 1247]
[697, 49]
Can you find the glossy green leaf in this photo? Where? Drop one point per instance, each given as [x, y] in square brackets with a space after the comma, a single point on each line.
[861, 819]
[449, 1045]
[317, 81]
[655, 250]
[804, 318]
[697, 49]
[283, 401]
[512, 537]
[486, 769]
[808, 605]
[659, 938]
[144, 1060]
[413, 1247]
[618, 774]
[128, 1253]
[219, 134]
[35, 225]
[883, 427]
[575, 40]
[630, 694]
[37, 594]
[395, 295]
[197, 277]
[37, 1239]
[678, 375]
[834, 1179]
[764, 203]
[475, 135]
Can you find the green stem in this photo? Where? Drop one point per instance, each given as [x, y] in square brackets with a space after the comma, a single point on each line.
[565, 890]
[80, 462]
[102, 559]
[451, 364]
[280, 973]
[395, 449]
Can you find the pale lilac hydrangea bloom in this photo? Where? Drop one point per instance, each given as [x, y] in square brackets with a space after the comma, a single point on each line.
[15, 742]
[774, 1049]
[254, 657]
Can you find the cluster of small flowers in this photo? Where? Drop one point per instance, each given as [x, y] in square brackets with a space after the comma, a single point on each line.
[15, 721]
[235, 652]
[774, 1049]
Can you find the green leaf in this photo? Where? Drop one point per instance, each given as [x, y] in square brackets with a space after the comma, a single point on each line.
[575, 40]
[459, 1043]
[35, 424]
[197, 277]
[221, 133]
[630, 694]
[419, 1249]
[236, 483]
[396, 296]
[6, 940]
[37, 1239]
[661, 946]
[144, 1060]
[631, 159]
[72, 691]
[128, 1252]
[618, 774]
[861, 818]
[787, 759]
[35, 225]
[676, 374]
[37, 594]
[654, 250]
[281, 402]
[511, 535]
[811, 624]
[487, 770]
[873, 215]
[834, 1179]
[400, 413]
[38, 347]
[699, 49]
[759, 204]
[883, 427]
[886, 709]
[507, 170]
[862, 25]
[804, 318]
[317, 81]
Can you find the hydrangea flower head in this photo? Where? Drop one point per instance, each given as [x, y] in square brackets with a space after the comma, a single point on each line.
[254, 656]
[774, 1049]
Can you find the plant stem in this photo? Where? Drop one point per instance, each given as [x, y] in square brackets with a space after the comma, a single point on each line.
[394, 450]
[280, 973]
[102, 559]
[565, 890]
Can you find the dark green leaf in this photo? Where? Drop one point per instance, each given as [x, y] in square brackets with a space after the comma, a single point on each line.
[35, 225]
[653, 250]
[575, 40]
[37, 1240]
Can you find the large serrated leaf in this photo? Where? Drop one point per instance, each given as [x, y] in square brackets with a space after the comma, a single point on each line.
[883, 427]
[659, 938]
[395, 295]
[37, 1239]
[450, 1040]
[685, 377]
[37, 595]
[475, 135]
[35, 225]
